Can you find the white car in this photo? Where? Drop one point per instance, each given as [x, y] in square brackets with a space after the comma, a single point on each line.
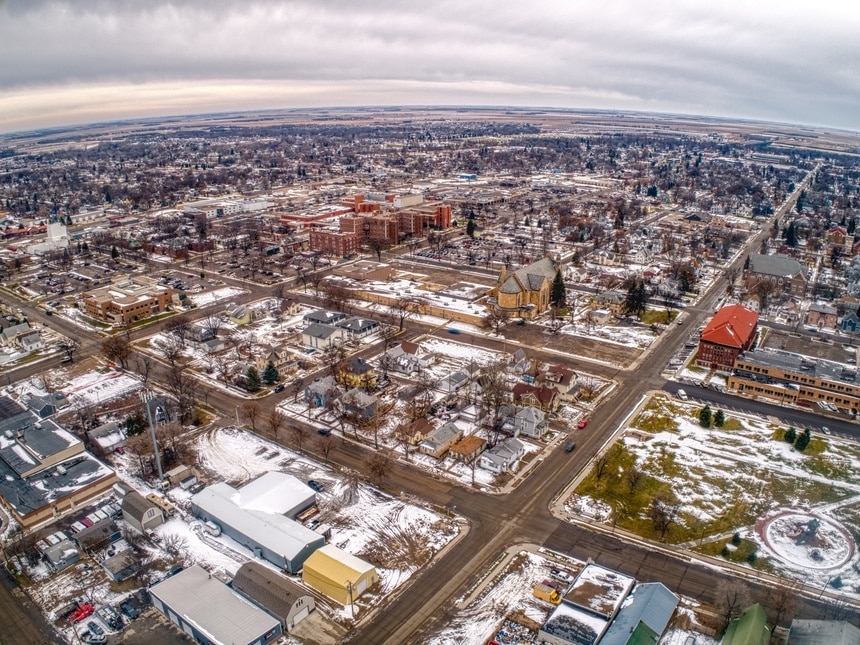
[561, 576]
[682, 395]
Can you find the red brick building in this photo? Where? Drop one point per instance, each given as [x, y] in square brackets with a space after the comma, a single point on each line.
[336, 243]
[376, 227]
[730, 333]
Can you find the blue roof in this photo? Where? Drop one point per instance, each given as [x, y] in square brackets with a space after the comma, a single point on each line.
[651, 604]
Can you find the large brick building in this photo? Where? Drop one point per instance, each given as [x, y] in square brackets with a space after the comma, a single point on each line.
[730, 332]
[337, 243]
[127, 300]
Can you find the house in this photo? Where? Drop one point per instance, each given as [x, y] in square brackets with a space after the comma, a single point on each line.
[98, 536]
[121, 566]
[30, 341]
[821, 315]
[536, 396]
[357, 372]
[563, 380]
[338, 575]
[786, 273]
[643, 617]
[61, 555]
[600, 316]
[614, 301]
[273, 592]
[530, 422]
[214, 345]
[140, 513]
[45, 406]
[321, 391]
[359, 403]
[210, 612]
[503, 456]
[526, 291]
[321, 336]
[438, 442]
[519, 362]
[323, 317]
[729, 333]
[851, 322]
[468, 448]
[452, 383]
[108, 436]
[822, 632]
[415, 432]
[289, 308]
[200, 333]
[359, 327]
[9, 336]
[401, 360]
[750, 628]
[239, 314]
[281, 357]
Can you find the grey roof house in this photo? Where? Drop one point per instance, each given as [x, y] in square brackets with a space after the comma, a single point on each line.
[277, 594]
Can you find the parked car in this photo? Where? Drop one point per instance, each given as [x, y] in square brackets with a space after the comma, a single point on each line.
[279, 388]
[682, 395]
[95, 628]
[561, 576]
[582, 423]
[323, 431]
[318, 487]
[128, 609]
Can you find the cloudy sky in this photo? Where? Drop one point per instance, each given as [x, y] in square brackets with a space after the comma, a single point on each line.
[78, 61]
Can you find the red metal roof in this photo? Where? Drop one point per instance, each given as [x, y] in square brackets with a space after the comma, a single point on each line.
[732, 326]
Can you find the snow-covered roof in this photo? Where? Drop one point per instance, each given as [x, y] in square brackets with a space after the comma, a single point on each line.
[275, 492]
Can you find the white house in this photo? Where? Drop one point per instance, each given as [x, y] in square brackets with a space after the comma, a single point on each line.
[502, 457]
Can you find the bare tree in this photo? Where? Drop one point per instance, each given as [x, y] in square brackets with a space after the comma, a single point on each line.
[731, 598]
[175, 544]
[68, 346]
[324, 444]
[664, 512]
[403, 437]
[171, 350]
[276, 420]
[251, 410]
[378, 466]
[143, 365]
[404, 308]
[212, 324]
[299, 434]
[178, 326]
[494, 393]
[496, 318]
[117, 349]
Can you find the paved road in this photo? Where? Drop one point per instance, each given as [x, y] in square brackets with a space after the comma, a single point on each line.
[21, 623]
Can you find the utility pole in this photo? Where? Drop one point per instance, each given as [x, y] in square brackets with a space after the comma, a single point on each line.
[146, 396]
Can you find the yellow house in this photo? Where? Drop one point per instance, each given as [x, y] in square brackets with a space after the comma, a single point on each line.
[526, 291]
[357, 373]
[337, 574]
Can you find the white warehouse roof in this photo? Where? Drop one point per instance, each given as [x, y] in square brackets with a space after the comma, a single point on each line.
[275, 492]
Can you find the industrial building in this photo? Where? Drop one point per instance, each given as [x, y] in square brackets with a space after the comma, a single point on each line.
[339, 575]
[260, 516]
[208, 610]
[277, 594]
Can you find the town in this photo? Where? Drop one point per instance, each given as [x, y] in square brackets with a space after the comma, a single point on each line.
[430, 375]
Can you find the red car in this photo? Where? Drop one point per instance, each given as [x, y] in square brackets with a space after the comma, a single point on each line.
[81, 612]
[582, 424]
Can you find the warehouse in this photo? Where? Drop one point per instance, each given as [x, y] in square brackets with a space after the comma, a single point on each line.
[258, 516]
[338, 574]
[210, 611]
[277, 594]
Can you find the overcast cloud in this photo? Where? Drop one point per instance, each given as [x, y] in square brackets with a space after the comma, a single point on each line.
[78, 61]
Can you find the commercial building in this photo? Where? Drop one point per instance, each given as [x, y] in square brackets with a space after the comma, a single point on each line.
[793, 378]
[44, 470]
[339, 575]
[126, 300]
[729, 333]
[260, 516]
[210, 612]
[277, 594]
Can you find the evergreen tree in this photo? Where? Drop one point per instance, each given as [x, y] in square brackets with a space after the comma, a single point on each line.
[705, 417]
[719, 419]
[470, 228]
[637, 298]
[114, 253]
[802, 440]
[791, 236]
[270, 374]
[134, 424]
[252, 379]
[790, 436]
[558, 292]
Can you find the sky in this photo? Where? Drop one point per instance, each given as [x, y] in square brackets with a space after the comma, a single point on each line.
[79, 61]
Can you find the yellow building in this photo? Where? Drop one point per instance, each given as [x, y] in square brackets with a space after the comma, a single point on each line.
[526, 291]
[339, 575]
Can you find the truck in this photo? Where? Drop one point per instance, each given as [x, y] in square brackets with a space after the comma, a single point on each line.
[545, 592]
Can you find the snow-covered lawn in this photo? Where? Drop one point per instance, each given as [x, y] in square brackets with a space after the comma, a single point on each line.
[720, 480]
[216, 295]
[98, 387]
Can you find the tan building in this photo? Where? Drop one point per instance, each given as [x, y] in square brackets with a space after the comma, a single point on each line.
[337, 574]
[526, 291]
[127, 300]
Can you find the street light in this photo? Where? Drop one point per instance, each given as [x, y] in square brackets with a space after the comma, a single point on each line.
[146, 397]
